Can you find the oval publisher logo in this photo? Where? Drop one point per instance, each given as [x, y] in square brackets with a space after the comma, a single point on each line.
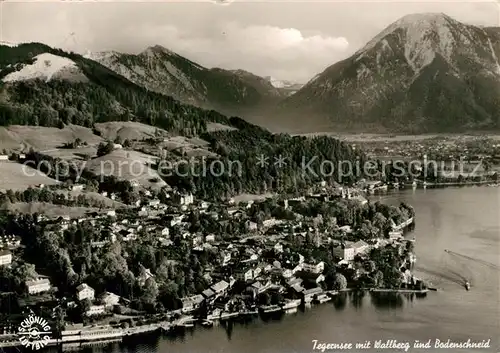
[34, 332]
[222, 2]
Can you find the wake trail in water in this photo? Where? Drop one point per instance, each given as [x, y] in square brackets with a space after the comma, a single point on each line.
[482, 262]
[452, 269]
[443, 274]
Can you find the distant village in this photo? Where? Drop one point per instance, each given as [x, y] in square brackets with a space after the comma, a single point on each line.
[467, 149]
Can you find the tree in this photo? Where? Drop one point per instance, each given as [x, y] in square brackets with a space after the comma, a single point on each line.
[276, 298]
[370, 266]
[392, 277]
[168, 295]
[104, 148]
[264, 299]
[330, 277]
[150, 292]
[380, 221]
[340, 281]
[59, 320]
[23, 273]
[367, 230]
[379, 279]
[85, 305]
[410, 247]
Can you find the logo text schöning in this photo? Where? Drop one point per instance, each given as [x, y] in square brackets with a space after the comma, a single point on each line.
[34, 332]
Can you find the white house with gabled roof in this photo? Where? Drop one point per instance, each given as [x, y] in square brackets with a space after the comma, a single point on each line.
[84, 291]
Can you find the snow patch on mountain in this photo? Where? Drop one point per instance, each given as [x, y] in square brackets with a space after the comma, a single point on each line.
[100, 55]
[8, 44]
[47, 66]
[110, 60]
[275, 82]
[158, 51]
[287, 87]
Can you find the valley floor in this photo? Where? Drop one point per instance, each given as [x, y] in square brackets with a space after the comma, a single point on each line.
[368, 137]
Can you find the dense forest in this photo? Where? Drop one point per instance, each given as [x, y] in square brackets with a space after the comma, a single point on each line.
[237, 167]
[249, 158]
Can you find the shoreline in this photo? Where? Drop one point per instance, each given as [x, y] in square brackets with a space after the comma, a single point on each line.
[487, 182]
[91, 336]
[401, 291]
[420, 185]
[95, 336]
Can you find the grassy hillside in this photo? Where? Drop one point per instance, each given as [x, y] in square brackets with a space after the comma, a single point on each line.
[22, 137]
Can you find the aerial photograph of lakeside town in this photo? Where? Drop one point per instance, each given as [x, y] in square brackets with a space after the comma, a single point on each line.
[226, 176]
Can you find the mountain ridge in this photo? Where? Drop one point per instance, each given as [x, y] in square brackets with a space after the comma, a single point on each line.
[409, 78]
[164, 71]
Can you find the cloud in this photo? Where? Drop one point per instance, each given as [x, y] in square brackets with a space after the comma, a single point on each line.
[272, 50]
[259, 39]
[264, 50]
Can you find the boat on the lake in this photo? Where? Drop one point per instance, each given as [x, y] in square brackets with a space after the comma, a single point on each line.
[227, 315]
[322, 298]
[270, 308]
[291, 304]
[207, 323]
[248, 312]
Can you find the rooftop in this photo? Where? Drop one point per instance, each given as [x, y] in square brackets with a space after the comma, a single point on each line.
[219, 286]
[5, 252]
[83, 286]
[37, 281]
[207, 293]
[359, 244]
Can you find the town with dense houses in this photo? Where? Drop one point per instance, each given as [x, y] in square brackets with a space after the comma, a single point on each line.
[199, 261]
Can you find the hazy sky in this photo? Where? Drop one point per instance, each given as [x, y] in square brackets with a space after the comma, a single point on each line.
[285, 39]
